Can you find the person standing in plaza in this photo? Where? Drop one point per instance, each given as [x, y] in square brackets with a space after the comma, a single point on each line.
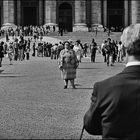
[109, 52]
[103, 45]
[85, 48]
[68, 64]
[20, 50]
[34, 49]
[1, 53]
[114, 112]
[10, 52]
[27, 51]
[16, 48]
[120, 53]
[78, 50]
[93, 49]
[7, 36]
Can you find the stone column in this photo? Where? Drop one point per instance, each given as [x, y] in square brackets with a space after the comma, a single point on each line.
[50, 13]
[105, 13]
[40, 12]
[135, 11]
[8, 12]
[96, 12]
[80, 16]
[126, 13]
[18, 12]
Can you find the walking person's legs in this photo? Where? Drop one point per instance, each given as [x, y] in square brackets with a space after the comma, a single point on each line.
[0, 61]
[65, 83]
[72, 83]
[107, 59]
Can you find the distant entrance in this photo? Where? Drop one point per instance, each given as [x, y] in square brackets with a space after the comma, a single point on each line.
[115, 14]
[29, 16]
[65, 17]
[116, 21]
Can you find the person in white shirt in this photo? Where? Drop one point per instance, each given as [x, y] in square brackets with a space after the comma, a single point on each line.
[120, 52]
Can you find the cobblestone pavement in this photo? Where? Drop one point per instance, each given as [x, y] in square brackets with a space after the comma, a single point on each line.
[34, 105]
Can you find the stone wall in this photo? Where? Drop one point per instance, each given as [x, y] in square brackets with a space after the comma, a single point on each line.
[135, 11]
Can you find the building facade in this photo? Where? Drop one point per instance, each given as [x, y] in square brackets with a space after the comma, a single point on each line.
[71, 14]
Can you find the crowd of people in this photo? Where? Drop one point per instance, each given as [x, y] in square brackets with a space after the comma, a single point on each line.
[27, 30]
[21, 46]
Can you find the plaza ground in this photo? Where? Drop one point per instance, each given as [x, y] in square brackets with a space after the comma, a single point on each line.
[34, 105]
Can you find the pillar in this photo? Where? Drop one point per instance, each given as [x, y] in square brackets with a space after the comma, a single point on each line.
[50, 13]
[80, 16]
[96, 11]
[105, 13]
[135, 11]
[18, 12]
[8, 12]
[40, 12]
[126, 13]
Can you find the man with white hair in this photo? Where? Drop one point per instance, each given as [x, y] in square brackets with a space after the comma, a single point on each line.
[115, 103]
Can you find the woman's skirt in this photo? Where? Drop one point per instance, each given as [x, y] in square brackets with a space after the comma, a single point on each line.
[68, 73]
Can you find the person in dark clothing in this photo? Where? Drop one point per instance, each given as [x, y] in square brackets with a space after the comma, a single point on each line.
[93, 49]
[85, 47]
[34, 49]
[7, 37]
[109, 52]
[61, 31]
[114, 112]
[1, 53]
[27, 53]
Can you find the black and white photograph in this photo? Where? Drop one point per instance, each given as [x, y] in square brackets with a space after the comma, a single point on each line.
[70, 69]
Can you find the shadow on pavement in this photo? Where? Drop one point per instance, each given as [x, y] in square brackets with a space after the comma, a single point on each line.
[78, 86]
[10, 76]
[8, 73]
[83, 88]
[1, 71]
[88, 68]
[91, 62]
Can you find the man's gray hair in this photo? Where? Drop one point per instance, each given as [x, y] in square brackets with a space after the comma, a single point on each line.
[131, 39]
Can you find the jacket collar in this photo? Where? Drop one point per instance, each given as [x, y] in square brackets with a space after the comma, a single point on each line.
[133, 63]
[132, 69]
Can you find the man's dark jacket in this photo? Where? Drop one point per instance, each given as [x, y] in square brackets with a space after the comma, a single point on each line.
[115, 108]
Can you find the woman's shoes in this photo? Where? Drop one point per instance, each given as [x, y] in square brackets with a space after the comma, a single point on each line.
[73, 87]
[65, 86]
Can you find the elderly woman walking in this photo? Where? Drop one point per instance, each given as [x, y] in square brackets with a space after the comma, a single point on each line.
[68, 64]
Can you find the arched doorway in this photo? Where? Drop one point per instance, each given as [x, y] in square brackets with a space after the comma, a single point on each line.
[115, 16]
[65, 17]
[30, 16]
[29, 12]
